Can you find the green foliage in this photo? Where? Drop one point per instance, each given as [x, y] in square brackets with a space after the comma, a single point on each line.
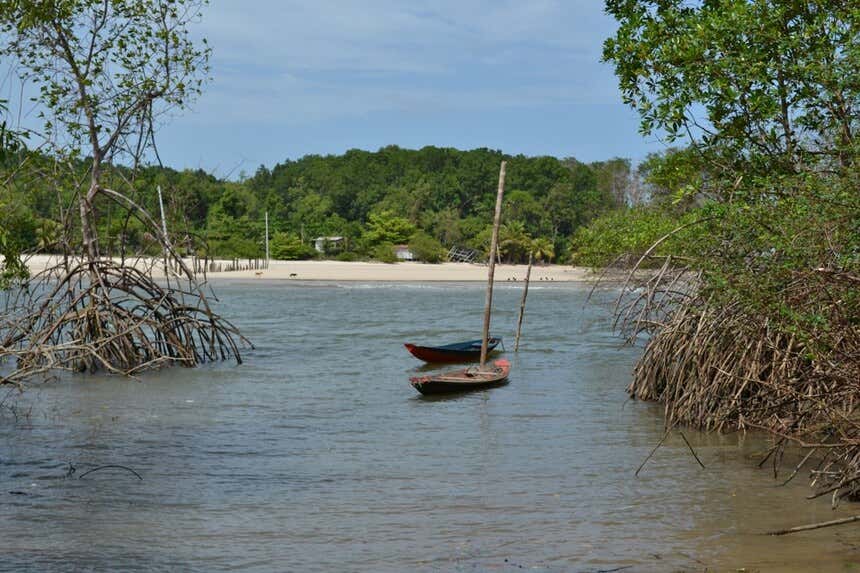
[761, 326]
[102, 68]
[676, 178]
[386, 227]
[775, 80]
[366, 197]
[12, 268]
[235, 202]
[629, 233]
[761, 249]
[384, 253]
[236, 247]
[542, 249]
[613, 179]
[514, 242]
[426, 248]
[289, 247]
[10, 140]
[481, 240]
[105, 72]
[522, 206]
[18, 232]
[347, 257]
[447, 193]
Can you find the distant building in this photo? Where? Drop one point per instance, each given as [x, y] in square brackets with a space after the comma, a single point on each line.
[403, 253]
[328, 244]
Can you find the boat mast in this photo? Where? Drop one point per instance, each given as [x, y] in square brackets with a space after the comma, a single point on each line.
[488, 306]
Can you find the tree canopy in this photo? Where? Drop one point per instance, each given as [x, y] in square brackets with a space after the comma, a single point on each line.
[105, 70]
[367, 197]
[752, 318]
[762, 86]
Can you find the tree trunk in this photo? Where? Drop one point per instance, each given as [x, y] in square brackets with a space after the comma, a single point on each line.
[88, 229]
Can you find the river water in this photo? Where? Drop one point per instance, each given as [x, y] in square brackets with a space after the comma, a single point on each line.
[317, 455]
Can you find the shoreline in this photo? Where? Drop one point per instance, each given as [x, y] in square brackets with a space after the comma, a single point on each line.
[372, 271]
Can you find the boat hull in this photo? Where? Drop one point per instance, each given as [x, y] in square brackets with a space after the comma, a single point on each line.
[465, 380]
[452, 353]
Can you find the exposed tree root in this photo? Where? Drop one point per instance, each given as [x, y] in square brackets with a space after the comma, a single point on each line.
[718, 366]
[109, 316]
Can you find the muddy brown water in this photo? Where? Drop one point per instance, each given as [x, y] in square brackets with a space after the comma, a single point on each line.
[317, 455]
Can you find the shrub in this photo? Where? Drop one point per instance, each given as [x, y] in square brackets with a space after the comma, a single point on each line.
[232, 247]
[384, 253]
[288, 247]
[425, 248]
[347, 256]
[629, 233]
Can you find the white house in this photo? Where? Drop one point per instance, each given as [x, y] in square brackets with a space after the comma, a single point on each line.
[403, 253]
[323, 244]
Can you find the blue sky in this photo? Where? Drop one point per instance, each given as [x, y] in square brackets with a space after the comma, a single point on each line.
[297, 77]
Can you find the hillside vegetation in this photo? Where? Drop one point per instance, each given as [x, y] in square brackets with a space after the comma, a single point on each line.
[432, 198]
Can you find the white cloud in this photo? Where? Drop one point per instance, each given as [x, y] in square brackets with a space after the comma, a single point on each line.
[295, 62]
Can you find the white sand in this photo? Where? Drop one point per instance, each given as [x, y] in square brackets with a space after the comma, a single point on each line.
[405, 271]
[360, 271]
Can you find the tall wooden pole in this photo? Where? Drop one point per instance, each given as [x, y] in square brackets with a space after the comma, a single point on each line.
[523, 303]
[163, 228]
[488, 306]
[267, 239]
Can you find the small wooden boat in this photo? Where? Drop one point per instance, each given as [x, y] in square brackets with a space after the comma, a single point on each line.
[457, 352]
[472, 378]
[485, 375]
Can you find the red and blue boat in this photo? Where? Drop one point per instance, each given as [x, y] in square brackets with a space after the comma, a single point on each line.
[468, 351]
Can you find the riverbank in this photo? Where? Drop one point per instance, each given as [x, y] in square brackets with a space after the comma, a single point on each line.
[370, 271]
[408, 272]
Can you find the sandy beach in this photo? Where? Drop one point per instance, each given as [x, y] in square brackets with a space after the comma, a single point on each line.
[406, 271]
[368, 271]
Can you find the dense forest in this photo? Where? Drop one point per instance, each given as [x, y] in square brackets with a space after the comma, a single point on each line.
[432, 199]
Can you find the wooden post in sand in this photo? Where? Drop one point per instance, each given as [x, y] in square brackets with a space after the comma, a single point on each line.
[163, 229]
[267, 239]
[523, 303]
[488, 306]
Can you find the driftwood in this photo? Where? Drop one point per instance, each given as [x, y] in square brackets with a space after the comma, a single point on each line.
[812, 526]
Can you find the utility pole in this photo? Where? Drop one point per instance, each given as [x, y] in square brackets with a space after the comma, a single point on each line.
[267, 239]
[163, 228]
[163, 221]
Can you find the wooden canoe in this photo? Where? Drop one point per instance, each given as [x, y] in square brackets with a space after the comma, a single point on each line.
[472, 378]
[457, 352]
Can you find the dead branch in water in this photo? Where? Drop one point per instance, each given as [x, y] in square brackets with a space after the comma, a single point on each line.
[812, 526]
[88, 472]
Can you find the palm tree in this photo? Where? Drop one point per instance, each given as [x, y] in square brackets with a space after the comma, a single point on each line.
[543, 249]
[514, 241]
